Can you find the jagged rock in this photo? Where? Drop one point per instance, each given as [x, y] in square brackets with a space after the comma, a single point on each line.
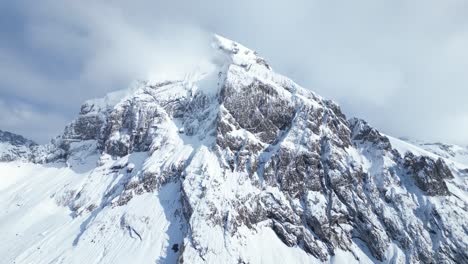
[363, 132]
[428, 174]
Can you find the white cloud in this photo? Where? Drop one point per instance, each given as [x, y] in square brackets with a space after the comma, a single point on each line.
[26, 119]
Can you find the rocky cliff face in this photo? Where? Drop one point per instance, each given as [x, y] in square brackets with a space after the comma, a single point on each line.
[249, 150]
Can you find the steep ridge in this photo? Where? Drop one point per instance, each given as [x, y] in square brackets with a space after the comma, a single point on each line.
[232, 164]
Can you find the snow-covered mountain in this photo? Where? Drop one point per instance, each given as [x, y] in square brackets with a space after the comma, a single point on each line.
[232, 164]
[14, 147]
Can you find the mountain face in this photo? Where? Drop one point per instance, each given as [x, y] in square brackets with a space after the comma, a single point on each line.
[14, 147]
[232, 164]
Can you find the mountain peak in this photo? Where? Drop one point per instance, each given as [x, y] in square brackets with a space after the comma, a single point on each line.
[238, 53]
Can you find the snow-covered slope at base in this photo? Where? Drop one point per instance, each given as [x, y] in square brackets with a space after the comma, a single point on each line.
[232, 163]
[265, 247]
[35, 227]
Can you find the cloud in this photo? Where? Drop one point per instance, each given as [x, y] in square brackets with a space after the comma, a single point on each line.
[399, 64]
[111, 47]
[25, 119]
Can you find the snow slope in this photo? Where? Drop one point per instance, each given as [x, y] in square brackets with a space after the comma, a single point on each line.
[233, 163]
[38, 225]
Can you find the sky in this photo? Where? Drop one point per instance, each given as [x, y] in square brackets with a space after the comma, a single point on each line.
[400, 65]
